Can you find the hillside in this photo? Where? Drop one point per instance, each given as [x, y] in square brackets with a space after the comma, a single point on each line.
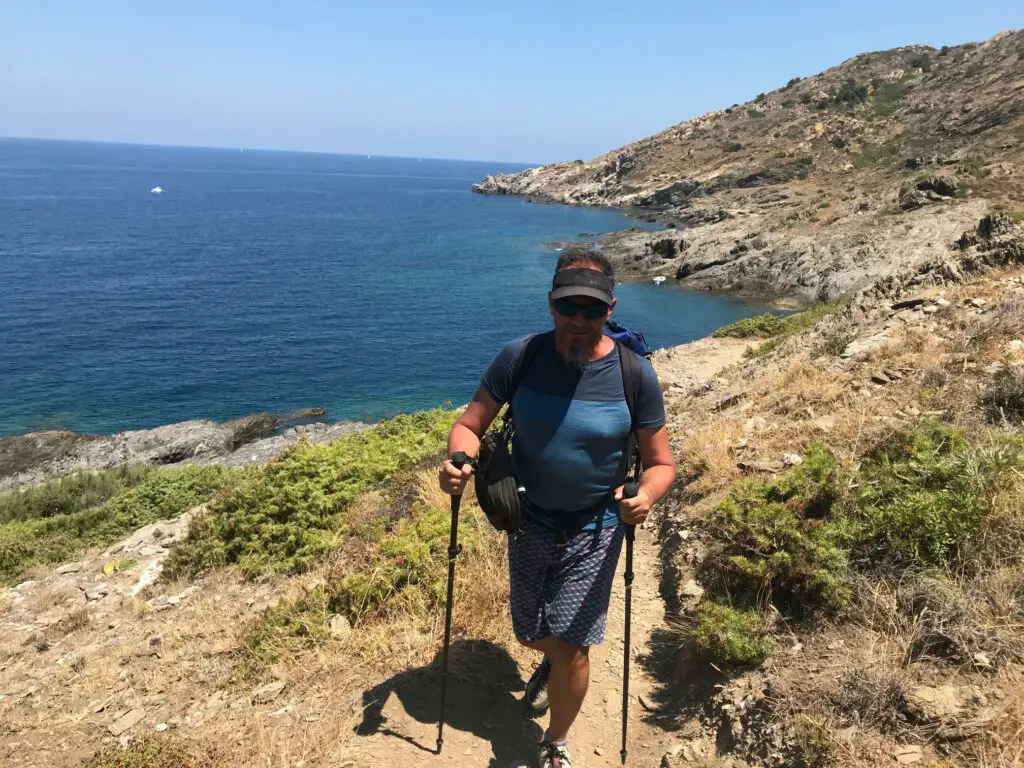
[820, 187]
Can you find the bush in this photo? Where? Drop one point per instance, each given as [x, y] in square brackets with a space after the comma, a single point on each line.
[753, 114]
[922, 62]
[760, 97]
[924, 494]
[873, 154]
[163, 494]
[776, 541]
[794, 324]
[792, 81]
[408, 563]
[834, 344]
[67, 495]
[733, 146]
[788, 104]
[886, 98]
[1003, 398]
[731, 635]
[851, 92]
[281, 518]
[762, 326]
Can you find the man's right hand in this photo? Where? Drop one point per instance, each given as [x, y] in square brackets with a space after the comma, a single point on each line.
[452, 479]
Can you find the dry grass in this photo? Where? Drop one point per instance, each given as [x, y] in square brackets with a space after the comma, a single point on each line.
[708, 455]
[1001, 745]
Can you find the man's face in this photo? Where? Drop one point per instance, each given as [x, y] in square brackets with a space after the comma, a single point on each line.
[576, 334]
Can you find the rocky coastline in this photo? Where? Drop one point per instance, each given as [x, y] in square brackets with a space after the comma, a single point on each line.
[37, 456]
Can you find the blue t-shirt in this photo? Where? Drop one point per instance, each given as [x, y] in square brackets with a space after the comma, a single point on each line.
[571, 430]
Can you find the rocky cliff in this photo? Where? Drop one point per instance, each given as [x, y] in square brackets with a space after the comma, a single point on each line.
[819, 188]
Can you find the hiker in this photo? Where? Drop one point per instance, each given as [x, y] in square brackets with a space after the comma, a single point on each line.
[572, 425]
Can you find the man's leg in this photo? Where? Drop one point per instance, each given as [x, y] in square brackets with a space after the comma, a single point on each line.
[567, 683]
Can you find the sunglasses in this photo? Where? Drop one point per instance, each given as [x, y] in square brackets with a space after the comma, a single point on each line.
[567, 308]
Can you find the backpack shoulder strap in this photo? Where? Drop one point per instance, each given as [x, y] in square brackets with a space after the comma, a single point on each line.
[631, 380]
[527, 354]
[631, 383]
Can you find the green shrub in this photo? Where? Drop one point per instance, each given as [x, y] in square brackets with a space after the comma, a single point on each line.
[759, 98]
[851, 92]
[409, 561]
[834, 344]
[788, 104]
[792, 81]
[67, 495]
[886, 98]
[162, 494]
[794, 324]
[753, 114]
[281, 518]
[733, 146]
[873, 154]
[1003, 398]
[761, 326]
[730, 635]
[777, 541]
[922, 62]
[923, 495]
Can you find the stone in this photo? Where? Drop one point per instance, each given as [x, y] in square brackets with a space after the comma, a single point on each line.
[1015, 345]
[928, 704]
[979, 303]
[692, 590]
[880, 378]
[930, 310]
[908, 754]
[267, 693]
[161, 727]
[96, 591]
[339, 625]
[943, 303]
[70, 568]
[908, 303]
[792, 459]
[982, 660]
[126, 722]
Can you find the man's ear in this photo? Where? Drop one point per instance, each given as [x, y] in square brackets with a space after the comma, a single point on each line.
[611, 307]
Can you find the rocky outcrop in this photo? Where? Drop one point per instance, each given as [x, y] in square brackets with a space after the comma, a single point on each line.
[840, 179]
[32, 458]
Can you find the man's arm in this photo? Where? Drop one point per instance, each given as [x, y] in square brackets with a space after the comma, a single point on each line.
[465, 436]
[659, 472]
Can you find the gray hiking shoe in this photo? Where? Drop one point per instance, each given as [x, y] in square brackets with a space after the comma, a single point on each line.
[554, 755]
[537, 688]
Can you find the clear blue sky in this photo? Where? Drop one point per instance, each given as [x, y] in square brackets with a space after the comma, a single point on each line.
[533, 80]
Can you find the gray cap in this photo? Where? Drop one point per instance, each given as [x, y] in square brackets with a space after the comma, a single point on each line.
[581, 281]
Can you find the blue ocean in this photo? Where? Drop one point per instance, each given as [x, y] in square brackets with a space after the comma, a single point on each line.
[272, 281]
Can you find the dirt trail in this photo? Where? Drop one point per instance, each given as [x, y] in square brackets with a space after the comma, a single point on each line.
[487, 723]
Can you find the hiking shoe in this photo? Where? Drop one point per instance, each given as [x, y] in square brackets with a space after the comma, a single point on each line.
[554, 755]
[537, 688]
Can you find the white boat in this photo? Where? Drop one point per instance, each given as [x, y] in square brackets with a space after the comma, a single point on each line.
[659, 280]
[157, 190]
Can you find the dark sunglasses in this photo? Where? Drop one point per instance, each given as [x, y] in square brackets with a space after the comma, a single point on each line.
[568, 308]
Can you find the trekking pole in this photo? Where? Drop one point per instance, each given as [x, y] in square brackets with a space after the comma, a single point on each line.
[458, 460]
[628, 491]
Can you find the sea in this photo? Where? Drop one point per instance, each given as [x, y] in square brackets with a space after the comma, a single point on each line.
[274, 281]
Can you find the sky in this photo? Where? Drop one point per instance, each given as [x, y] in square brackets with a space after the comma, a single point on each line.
[526, 81]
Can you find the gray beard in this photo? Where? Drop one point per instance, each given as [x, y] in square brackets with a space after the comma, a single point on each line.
[577, 353]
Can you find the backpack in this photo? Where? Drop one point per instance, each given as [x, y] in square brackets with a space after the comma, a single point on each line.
[497, 490]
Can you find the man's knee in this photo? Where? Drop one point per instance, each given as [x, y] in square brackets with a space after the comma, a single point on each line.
[569, 654]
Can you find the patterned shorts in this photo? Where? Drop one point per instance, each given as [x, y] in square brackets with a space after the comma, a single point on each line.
[562, 590]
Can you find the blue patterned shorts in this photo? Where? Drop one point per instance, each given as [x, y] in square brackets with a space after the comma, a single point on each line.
[562, 590]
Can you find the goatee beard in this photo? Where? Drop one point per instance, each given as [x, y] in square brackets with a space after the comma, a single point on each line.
[578, 352]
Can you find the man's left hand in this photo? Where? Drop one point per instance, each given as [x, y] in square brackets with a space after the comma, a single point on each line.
[633, 511]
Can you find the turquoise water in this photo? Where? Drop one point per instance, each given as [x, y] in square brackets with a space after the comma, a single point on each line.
[270, 281]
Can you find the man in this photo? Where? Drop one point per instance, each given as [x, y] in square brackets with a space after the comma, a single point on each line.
[572, 426]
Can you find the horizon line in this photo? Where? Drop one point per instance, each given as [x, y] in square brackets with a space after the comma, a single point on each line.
[111, 142]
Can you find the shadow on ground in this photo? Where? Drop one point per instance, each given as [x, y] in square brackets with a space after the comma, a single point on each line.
[686, 683]
[482, 681]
